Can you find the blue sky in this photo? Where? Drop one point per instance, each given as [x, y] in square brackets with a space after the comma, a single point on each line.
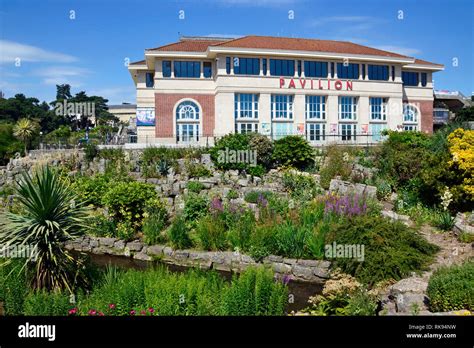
[89, 51]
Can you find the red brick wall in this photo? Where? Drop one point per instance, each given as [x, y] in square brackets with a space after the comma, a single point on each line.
[426, 110]
[164, 112]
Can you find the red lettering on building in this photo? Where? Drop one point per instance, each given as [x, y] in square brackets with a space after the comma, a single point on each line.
[338, 85]
[349, 85]
[282, 82]
[302, 82]
[292, 84]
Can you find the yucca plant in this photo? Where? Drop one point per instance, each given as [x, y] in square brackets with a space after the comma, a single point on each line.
[24, 130]
[50, 214]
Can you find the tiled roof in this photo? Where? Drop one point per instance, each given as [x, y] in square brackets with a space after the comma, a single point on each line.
[141, 62]
[424, 62]
[187, 46]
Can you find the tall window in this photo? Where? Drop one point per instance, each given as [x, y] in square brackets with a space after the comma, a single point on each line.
[315, 107]
[410, 117]
[348, 108]
[299, 68]
[315, 131]
[315, 69]
[227, 65]
[187, 122]
[376, 131]
[207, 67]
[378, 109]
[349, 71]
[264, 66]
[282, 129]
[166, 67]
[282, 67]
[245, 105]
[150, 79]
[348, 131]
[393, 72]
[282, 106]
[378, 72]
[410, 78]
[424, 79]
[246, 66]
[187, 69]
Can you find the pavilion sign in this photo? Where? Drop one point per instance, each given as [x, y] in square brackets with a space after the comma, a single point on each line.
[315, 84]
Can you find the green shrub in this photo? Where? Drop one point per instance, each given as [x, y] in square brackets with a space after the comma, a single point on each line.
[452, 288]
[102, 226]
[293, 151]
[125, 230]
[91, 188]
[197, 170]
[336, 164]
[264, 148]
[391, 249]
[255, 292]
[45, 303]
[235, 142]
[178, 234]
[232, 194]
[127, 201]
[290, 240]
[91, 151]
[112, 154]
[261, 242]
[254, 196]
[240, 231]
[257, 170]
[443, 220]
[195, 207]
[384, 189]
[156, 220]
[300, 186]
[13, 286]
[211, 233]
[195, 186]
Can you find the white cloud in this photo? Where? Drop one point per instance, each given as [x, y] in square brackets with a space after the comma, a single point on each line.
[10, 51]
[406, 51]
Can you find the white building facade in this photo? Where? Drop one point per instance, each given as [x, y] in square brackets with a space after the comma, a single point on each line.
[199, 89]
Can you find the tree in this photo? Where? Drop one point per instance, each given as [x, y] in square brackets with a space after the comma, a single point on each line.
[465, 115]
[24, 130]
[50, 214]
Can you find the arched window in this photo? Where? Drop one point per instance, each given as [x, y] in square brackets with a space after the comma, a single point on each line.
[410, 117]
[187, 122]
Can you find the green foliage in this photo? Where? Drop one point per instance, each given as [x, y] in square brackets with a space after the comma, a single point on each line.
[178, 234]
[13, 286]
[254, 196]
[91, 189]
[301, 186]
[336, 164]
[153, 158]
[156, 220]
[233, 141]
[9, 145]
[384, 189]
[127, 201]
[264, 148]
[112, 154]
[257, 170]
[197, 170]
[195, 207]
[50, 214]
[255, 292]
[452, 288]
[392, 250]
[195, 186]
[444, 220]
[211, 233]
[91, 151]
[232, 194]
[47, 303]
[102, 226]
[293, 151]
[241, 230]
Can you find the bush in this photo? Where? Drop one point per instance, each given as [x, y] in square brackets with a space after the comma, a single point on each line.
[391, 249]
[195, 186]
[452, 288]
[300, 186]
[211, 233]
[255, 196]
[336, 164]
[264, 148]
[195, 207]
[102, 226]
[255, 292]
[241, 230]
[443, 220]
[91, 151]
[45, 303]
[13, 286]
[156, 220]
[91, 188]
[127, 201]
[235, 142]
[293, 151]
[232, 194]
[197, 170]
[257, 170]
[178, 234]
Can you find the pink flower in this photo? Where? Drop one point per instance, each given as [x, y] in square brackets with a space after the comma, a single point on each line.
[111, 306]
[151, 310]
[132, 312]
[72, 311]
[92, 312]
[143, 312]
[101, 314]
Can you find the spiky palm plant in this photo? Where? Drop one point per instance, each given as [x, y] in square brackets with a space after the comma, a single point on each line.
[50, 214]
[24, 130]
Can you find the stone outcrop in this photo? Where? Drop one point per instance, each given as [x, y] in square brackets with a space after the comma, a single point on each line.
[341, 187]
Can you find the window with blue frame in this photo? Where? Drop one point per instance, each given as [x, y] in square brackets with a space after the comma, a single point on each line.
[246, 66]
[282, 106]
[282, 129]
[348, 131]
[187, 122]
[376, 131]
[246, 105]
[363, 71]
[393, 73]
[315, 69]
[166, 67]
[299, 68]
[410, 113]
[347, 108]
[150, 79]
[282, 67]
[424, 79]
[315, 131]
[378, 108]
[315, 107]
[410, 78]
[264, 66]
[227, 65]
[207, 67]
[187, 69]
[378, 72]
[332, 70]
[349, 71]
